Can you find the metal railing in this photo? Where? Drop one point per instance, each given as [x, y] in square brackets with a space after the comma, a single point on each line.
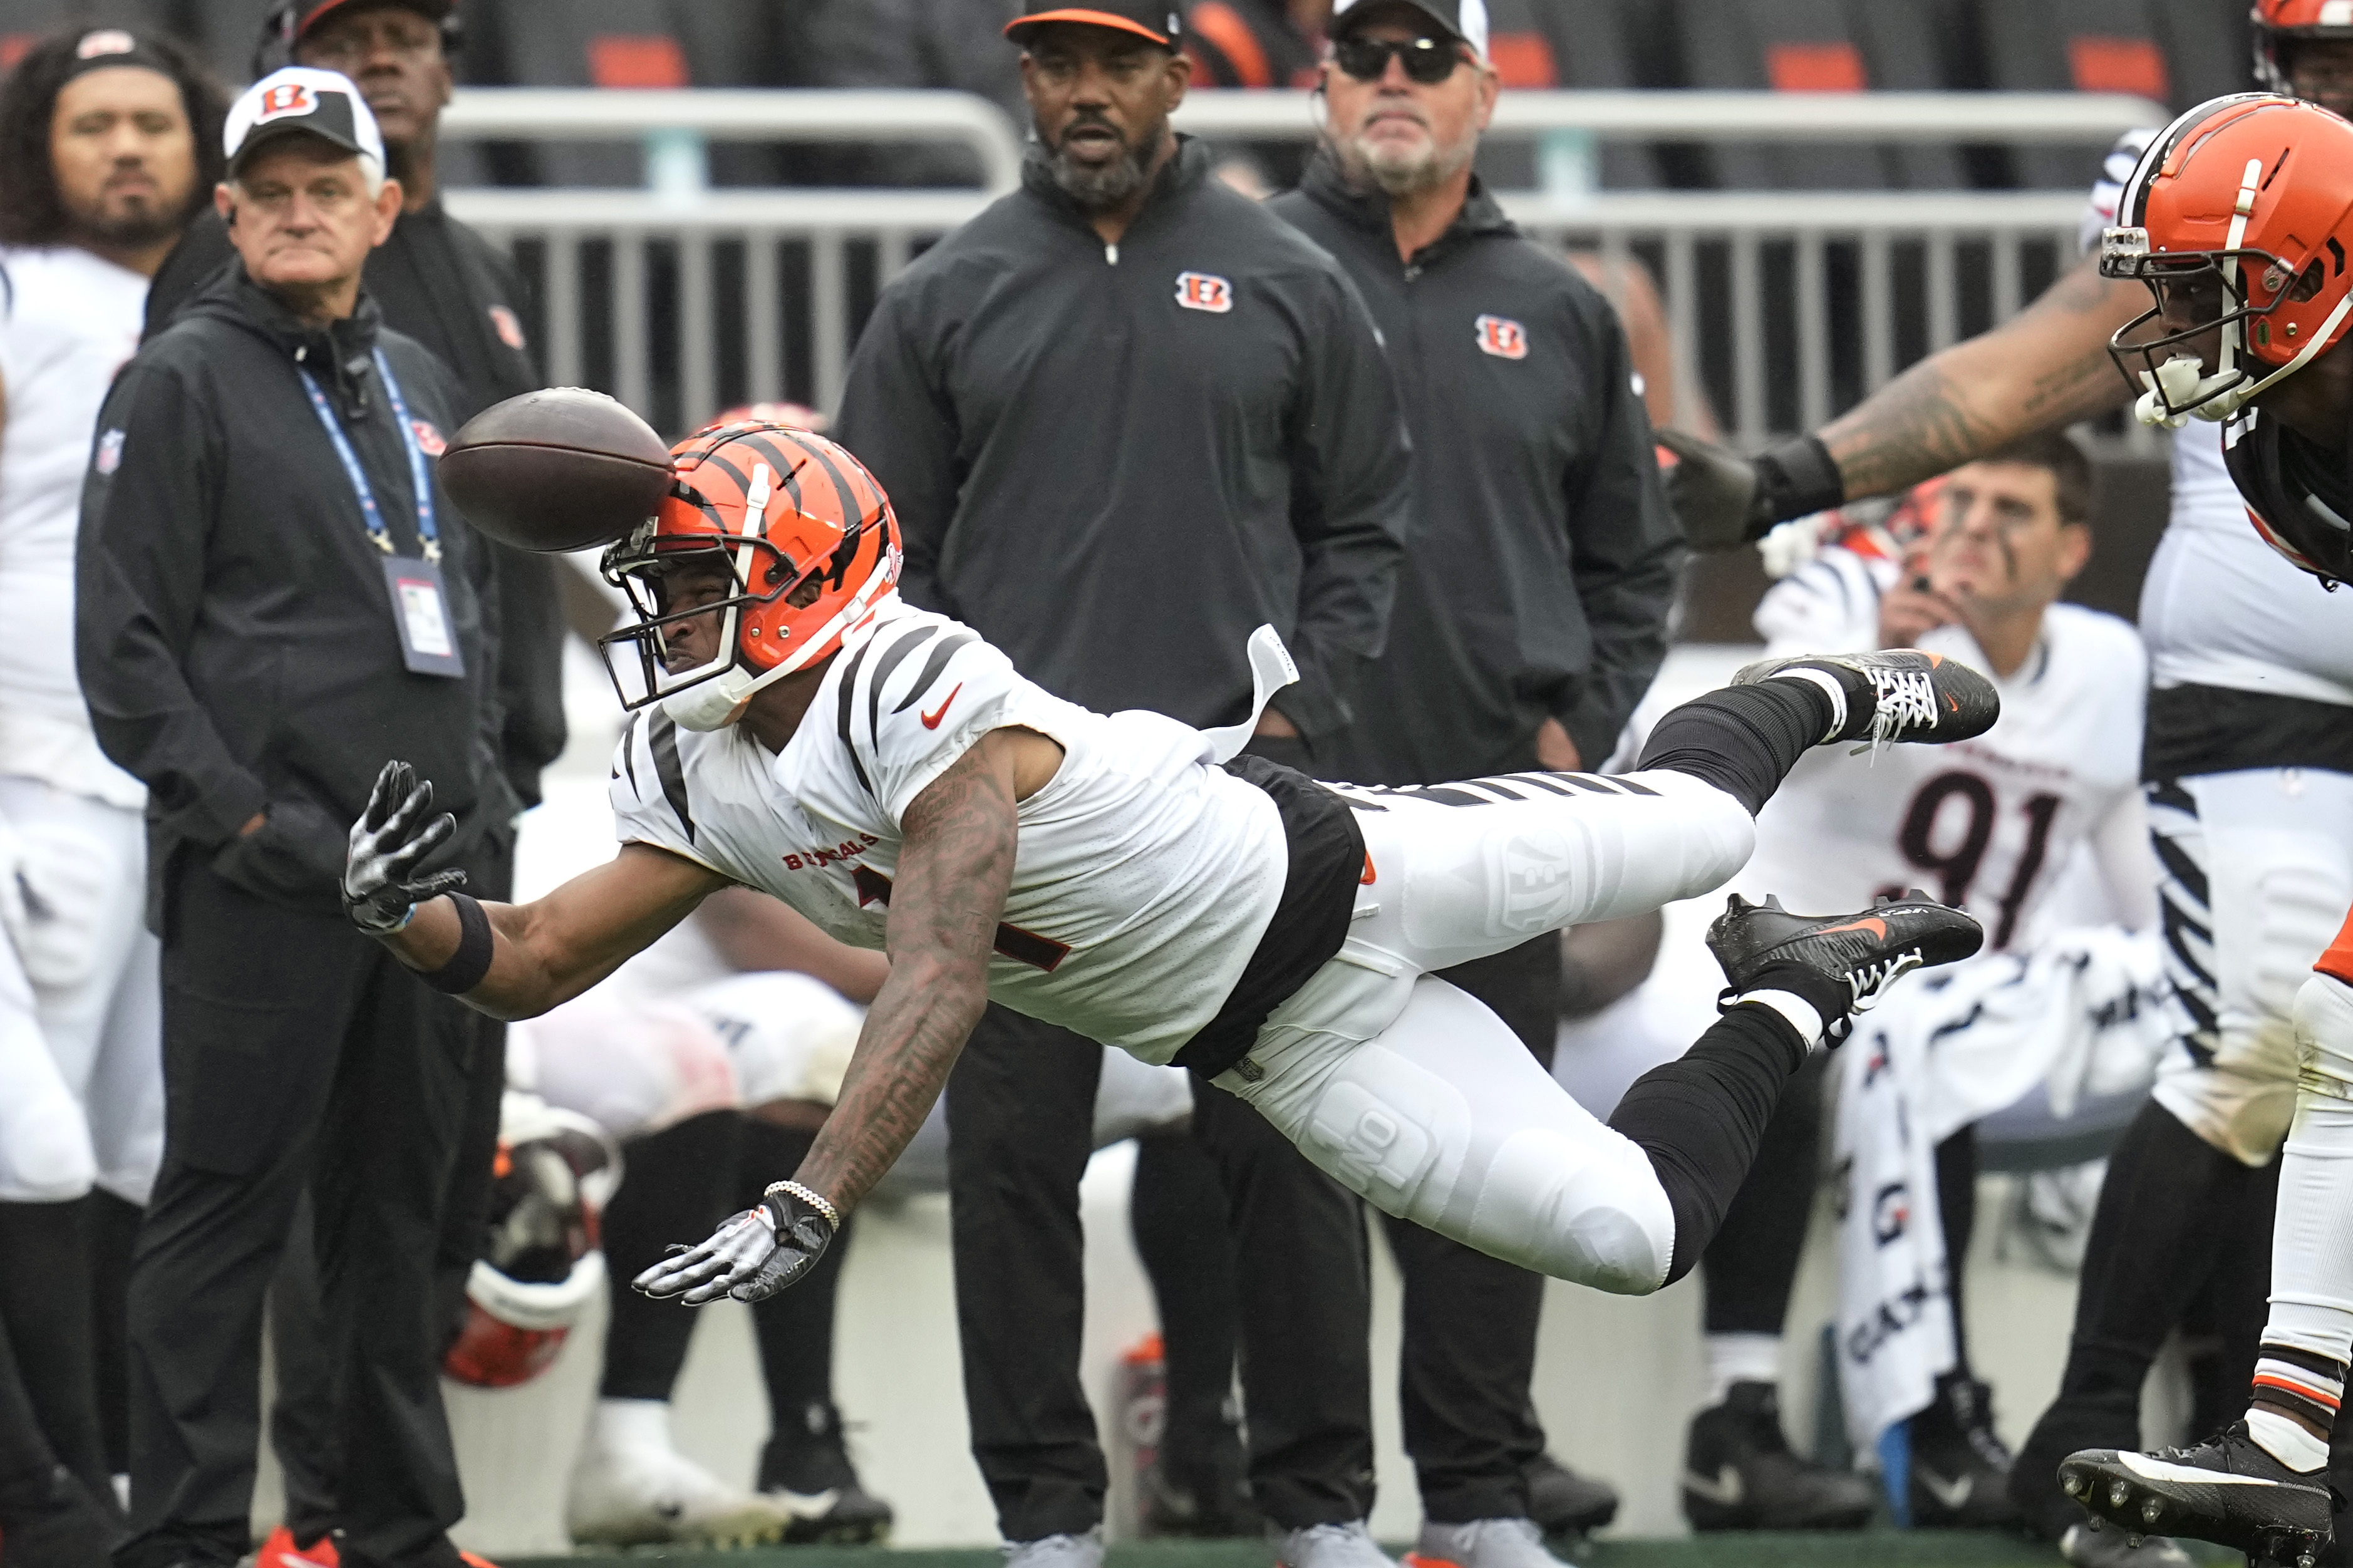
[1785, 306]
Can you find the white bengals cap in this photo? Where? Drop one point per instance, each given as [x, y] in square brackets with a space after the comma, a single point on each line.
[301, 99]
[1466, 20]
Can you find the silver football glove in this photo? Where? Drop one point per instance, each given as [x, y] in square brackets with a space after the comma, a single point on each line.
[752, 1254]
[390, 836]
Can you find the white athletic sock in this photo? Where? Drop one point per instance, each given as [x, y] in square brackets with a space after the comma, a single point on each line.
[1740, 1358]
[635, 1424]
[2285, 1441]
[1802, 1014]
[1829, 683]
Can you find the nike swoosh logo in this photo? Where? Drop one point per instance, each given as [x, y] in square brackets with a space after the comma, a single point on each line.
[812, 1505]
[931, 719]
[1870, 923]
[1722, 1487]
[1953, 1494]
[2159, 1470]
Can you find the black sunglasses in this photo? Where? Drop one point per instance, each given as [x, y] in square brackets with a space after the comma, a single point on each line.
[1426, 60]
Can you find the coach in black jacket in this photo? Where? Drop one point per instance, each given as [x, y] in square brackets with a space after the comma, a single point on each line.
[1530, 620]
[266, 608]
[1126, 415]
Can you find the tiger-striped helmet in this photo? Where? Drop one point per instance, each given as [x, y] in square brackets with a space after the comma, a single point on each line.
[804, 534]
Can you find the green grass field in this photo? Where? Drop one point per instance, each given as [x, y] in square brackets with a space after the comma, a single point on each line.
[1869, 1549]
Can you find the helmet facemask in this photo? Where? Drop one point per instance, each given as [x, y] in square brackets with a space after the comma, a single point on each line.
[2210, 290]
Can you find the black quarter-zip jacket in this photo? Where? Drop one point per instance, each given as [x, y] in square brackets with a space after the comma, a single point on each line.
[1114, 462]
[233, 630]
[1543, 555]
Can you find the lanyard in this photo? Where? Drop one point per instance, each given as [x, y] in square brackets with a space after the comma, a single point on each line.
[429, 537]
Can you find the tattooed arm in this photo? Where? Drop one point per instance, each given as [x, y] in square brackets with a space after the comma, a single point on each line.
[2048, 365]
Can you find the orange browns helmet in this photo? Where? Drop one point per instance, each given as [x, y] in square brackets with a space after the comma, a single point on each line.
[2238, 217]
[2287, 22]
[800, 528]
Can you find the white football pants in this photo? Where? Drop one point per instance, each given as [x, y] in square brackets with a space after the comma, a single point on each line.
[2258, 870]
[81, 1070]
[1410, 1092]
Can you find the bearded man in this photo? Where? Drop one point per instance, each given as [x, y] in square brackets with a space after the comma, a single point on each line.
[1529, 622]
[1125, 414]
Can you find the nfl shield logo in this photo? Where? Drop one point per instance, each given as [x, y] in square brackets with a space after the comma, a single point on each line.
[429, 439]
[1503, 337]
[509, 327]
[1204, 291]
[110, 452]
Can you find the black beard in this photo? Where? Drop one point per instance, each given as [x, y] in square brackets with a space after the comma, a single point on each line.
[133, 230]
[1096, 189]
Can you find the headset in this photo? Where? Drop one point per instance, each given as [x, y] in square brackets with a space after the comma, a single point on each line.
[275, 49]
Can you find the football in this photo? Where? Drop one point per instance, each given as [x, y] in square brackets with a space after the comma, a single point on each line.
[562, 469]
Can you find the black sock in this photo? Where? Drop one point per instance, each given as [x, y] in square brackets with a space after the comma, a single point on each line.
[1744, 739]
[1956, 1205]
[113, 1222]
[678, 1183]
[44, 1263]
[794, 1329]
[1700, 1119]
[1752, 1263]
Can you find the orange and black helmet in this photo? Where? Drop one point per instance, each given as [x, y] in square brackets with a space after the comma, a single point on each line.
[2279, 25]
[805, 538]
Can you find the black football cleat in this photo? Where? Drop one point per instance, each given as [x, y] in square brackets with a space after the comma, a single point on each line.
[1564, 1502]
[2228, 1490]
[1864, 952]
[1739, 1472]
[1914, 696]
[1960, 1470]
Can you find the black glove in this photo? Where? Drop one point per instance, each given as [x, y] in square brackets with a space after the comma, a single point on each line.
[752, 1254]
[390, 836]
[1723, 500]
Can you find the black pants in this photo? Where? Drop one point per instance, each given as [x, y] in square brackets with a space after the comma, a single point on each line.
[1020, 1120]
[302, 1421]
[297, 1054]
[1470, 1343]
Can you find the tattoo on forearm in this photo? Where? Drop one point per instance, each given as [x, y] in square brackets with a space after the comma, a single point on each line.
[1925, 421]
[951, 882]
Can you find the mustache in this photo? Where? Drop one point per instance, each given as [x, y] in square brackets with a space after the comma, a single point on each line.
[1089, 119]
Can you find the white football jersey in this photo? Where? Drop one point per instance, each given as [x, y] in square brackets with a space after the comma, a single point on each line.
[69, 320]
[2219, 606]
[1145, 875]
[1985, 825]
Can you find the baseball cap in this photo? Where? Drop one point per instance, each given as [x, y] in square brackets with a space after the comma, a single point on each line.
[310, 16]
[322, 103]
[1462, 20]
[1155, 19]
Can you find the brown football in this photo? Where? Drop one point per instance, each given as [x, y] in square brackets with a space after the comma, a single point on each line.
[562, 469]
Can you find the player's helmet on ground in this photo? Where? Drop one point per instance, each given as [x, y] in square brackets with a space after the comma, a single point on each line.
[555, 1171]
[2238, 217]
[2279, 25]
[804, 534]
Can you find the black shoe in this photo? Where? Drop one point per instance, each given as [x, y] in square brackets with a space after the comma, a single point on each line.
[2228, 1490]
[1911, 696]
[1861, 954]
[1563, 1502]
[1739, 1474]
[52, 1522]
[1960, 1471]
[807, 1469]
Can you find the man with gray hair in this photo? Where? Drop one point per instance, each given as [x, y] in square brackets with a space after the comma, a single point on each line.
[267, 568]
[1530, 619]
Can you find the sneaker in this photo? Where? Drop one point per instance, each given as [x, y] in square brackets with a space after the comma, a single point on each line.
[279, 1550]
[2088, 1548]
[1740, 1474]
[2228, 1490]
[1960, 1471]
[1566, 1503]
[651, 1496]
[1348, 1545]
[1056, 1552]
[56, 1524]
[805, 1471]
[1862, 953]
[1482, 1544]
[1916, 697]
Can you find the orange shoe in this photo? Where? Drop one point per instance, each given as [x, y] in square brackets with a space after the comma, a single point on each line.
[280, 1551]
[472, 1559]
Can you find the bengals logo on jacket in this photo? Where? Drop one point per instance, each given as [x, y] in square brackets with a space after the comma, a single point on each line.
[1503, 337]
[1204, 291]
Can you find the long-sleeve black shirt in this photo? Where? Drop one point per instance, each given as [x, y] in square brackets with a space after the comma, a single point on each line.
[437, 281]
[1115, 461]
[1543, 556]
[234, 632]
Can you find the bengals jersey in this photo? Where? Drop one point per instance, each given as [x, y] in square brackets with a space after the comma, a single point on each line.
[1146, 874]
[1987, 825]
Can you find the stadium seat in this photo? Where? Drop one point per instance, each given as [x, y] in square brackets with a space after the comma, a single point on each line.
[578, 43]
[1787, 46]
[2089, 45]
[1575, 44]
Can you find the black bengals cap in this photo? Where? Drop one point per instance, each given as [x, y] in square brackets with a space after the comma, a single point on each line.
[1155, 19]
[1465, 21]
[310, 16]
